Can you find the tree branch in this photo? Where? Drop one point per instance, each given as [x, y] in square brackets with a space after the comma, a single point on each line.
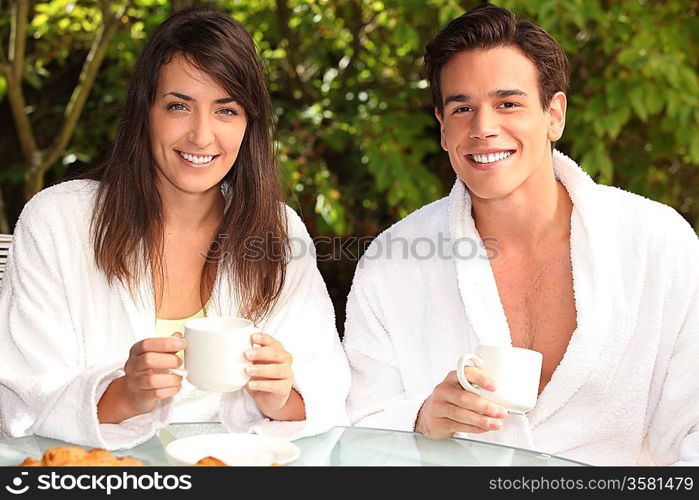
[4, 63]
[13, 69]
[106, 13]
[18, 37]
[78, 98]
[357, 28]
[283, 16]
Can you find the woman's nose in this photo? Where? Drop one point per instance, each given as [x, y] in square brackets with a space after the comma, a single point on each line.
[201, 133]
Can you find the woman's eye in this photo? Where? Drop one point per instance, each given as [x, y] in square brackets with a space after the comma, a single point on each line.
[228, 112]
[176, 106]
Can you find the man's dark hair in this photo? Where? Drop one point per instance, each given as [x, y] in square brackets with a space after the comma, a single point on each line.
[489, 26]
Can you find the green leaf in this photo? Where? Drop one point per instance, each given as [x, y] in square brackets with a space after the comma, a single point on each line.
[597, 161]
[33, 80]
[616, 120]
[605, 166]
[654, 100]
[694, 149]
[636, 96]
[404, 34]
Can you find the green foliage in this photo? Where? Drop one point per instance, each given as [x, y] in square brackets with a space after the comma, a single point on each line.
[632, 114]
[356, 138]
[354, 122]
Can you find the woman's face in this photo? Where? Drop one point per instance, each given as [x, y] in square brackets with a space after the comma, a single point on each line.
[196, 129]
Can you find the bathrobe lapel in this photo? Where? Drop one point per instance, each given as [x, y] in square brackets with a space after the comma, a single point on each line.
[592, 251]
[474, 275]
[140, 310]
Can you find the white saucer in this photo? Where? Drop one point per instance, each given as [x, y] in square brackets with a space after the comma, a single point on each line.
[233, 449]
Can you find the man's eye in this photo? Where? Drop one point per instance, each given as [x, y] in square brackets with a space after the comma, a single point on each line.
[509, 105]
[461, 109]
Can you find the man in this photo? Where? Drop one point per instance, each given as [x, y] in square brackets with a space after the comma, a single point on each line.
[602, 282]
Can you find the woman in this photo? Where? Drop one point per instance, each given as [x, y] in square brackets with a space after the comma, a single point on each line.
[184, 219]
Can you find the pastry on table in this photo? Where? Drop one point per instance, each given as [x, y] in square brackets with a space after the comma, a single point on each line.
[75, 456]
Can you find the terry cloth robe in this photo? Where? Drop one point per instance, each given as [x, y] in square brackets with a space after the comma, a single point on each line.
[627, 388]
[65, 334]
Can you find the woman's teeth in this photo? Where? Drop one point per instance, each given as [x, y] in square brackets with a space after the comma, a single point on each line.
[199, 160]
[490, 157]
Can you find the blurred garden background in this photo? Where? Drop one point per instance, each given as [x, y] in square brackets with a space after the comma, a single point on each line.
[357, 141]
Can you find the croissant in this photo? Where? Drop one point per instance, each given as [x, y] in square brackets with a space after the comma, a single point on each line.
[61, 456]
[210, 462]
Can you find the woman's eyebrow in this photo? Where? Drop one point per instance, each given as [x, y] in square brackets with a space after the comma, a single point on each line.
[184, 97]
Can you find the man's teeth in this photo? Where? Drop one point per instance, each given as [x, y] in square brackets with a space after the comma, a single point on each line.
[491, 157]
[196, 159]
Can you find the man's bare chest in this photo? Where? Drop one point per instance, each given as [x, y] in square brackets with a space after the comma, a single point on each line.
[537, 297]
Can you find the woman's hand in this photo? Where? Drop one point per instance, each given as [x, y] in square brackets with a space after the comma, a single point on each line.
[271, 378]
[146, 382]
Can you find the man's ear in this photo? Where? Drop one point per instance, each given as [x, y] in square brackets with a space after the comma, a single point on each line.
[442, 134]
[557, 116]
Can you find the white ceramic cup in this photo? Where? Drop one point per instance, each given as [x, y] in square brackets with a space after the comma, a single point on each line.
[214, 359]
[516, 373]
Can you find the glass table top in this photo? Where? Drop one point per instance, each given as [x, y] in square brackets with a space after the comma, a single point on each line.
[340, 446]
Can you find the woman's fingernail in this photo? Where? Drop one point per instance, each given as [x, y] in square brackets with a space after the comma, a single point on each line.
[250, 353]
[252, 384]
[250, 370]
[256, 337]
[494, 424]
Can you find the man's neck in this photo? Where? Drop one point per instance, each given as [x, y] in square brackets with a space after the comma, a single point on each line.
[536, 214]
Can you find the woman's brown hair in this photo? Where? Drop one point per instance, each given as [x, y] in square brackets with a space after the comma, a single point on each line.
[127, 225]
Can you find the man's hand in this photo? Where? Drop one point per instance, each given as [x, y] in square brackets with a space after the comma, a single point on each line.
[451, 409]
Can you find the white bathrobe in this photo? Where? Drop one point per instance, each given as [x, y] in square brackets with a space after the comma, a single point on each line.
[65, 335]
[627, 388]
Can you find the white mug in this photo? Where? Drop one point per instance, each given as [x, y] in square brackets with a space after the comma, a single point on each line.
[214, 359]
[516, 373]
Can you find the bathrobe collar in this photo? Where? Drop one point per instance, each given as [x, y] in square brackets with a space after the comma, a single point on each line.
[592, 249]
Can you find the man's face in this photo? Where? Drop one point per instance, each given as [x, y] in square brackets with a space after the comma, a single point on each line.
[493, 125]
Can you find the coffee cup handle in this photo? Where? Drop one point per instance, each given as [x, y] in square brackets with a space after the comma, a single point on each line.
[478, 362]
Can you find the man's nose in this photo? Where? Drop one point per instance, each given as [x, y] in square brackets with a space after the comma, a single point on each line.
[484, 124]
[201, 133]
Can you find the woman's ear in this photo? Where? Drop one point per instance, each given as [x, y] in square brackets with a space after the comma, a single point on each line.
[557, 116]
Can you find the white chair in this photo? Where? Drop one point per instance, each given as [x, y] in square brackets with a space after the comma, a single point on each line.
[5, 240]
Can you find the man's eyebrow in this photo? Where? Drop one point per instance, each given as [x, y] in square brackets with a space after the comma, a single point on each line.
[507, 93]
[495, 93]
[184, 97]
[457, 98]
